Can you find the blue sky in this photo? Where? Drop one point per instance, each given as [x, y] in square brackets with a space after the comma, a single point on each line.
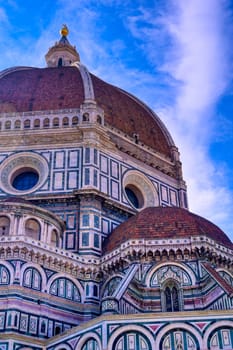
[175, 55]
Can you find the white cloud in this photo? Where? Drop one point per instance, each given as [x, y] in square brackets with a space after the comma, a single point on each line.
[194, 39]
[202, 66]
[199, 37]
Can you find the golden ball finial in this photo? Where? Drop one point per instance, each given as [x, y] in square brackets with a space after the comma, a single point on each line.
[64, 30]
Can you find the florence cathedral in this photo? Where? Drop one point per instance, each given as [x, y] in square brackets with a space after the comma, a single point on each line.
[99, 250]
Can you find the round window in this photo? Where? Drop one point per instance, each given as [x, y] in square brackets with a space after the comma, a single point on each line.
[135, 196]
[23, 173]
[25, 179]
[139, 190]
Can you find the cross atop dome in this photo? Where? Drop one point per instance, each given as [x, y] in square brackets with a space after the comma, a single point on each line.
[62, 53]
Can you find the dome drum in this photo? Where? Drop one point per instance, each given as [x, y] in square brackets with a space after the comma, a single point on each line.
[89, 113]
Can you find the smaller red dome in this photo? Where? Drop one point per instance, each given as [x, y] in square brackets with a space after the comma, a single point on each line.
[163, 223]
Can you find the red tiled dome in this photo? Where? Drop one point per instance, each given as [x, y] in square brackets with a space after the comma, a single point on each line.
[162, 223]
[39, 89]
[36, 89]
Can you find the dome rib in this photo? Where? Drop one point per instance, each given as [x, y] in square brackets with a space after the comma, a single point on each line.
[87, 82]
[7, 71]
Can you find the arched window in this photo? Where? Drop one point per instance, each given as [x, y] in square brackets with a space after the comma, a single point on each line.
[65, 288]
[85, 117]
[221, 339]
[178, 339]
[75, 120]
[58, 330]
[32, 279]
[36, 123]
[7, 125]
[87, 289]
[95, 291]
[65, 121]
[4, 275]
[91, 344]
[17, 124]
[4, 226]
[16, 320]
[46, 123]
[26, 124]
[9, 319]
[54, 238]
[56, 122]
[99, 119]
[171, 297]
[32, 229]
[43, 327]
[132, 341]
[59, 62]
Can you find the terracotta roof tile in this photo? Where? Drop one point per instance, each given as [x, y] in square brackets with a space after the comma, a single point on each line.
[128, 115]
[37, 89]
[164, 223]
